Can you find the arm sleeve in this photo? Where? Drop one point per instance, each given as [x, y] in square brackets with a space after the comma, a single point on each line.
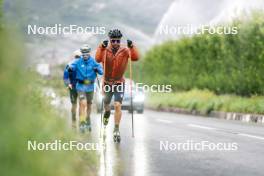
[134, 54]
[99, 68]
[73, 65]
[100, 53]
[66, 76]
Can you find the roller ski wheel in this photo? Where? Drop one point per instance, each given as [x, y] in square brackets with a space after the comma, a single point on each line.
[117, 138]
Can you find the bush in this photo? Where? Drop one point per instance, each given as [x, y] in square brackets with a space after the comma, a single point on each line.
[205, 101]
[26, 115]
[220, 63]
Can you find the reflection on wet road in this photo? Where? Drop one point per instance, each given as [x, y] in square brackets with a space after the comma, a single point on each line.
[109, 158]
[130, 149]
[141, 156]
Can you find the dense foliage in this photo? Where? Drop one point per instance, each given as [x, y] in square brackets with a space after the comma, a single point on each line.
[26, 114]
[221, 63]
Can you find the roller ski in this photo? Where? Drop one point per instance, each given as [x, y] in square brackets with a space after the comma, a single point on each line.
[116, 136]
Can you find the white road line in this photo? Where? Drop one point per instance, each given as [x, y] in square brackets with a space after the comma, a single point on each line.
[240, 134]
[251, 136]
[200, 126]
[164, 121]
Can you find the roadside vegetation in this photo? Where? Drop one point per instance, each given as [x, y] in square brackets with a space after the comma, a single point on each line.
[26, 114]
[206, 101]
[222, 72]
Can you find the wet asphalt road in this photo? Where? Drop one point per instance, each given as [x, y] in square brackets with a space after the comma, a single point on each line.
[144, 156]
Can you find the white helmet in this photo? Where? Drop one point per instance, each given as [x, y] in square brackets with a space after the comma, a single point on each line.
[77, 53]
[85, 49]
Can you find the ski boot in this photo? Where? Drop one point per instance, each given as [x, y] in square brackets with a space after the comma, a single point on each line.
[82, 127]
[117, 137]
[106, 117]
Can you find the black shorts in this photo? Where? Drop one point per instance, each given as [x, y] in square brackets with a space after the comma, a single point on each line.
[73, 96]
[88, 96]
[117, 90]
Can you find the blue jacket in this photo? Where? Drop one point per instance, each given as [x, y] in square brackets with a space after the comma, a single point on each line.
[85, 70]
[69, 77]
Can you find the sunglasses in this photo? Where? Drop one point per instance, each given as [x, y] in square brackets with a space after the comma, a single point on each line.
[115, 41]
[85, 54]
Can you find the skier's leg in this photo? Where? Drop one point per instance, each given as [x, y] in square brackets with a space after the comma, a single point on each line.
[118, 94]
[107, 107]
[117, 115]
[89, 98]
[73, 112]
[88, 119]
[82, 110]
[89, 105]
[73, 97]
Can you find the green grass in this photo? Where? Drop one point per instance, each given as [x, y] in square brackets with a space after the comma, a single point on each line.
[25, 114]
[206, 101]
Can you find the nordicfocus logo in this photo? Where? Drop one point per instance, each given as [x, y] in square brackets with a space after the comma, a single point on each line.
[190, 145]
[59, 29]
[137, 87]
[189, 29]
[58, 145]
[154, 88]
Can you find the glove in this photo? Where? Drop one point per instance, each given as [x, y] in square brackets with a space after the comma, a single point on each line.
[129, 44]
[105, 43]
[70, 86]
[70, 70]
[95, 70]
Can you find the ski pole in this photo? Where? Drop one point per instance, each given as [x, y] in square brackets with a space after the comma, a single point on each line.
[102, 103]
[131, 95]
[101, 109]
